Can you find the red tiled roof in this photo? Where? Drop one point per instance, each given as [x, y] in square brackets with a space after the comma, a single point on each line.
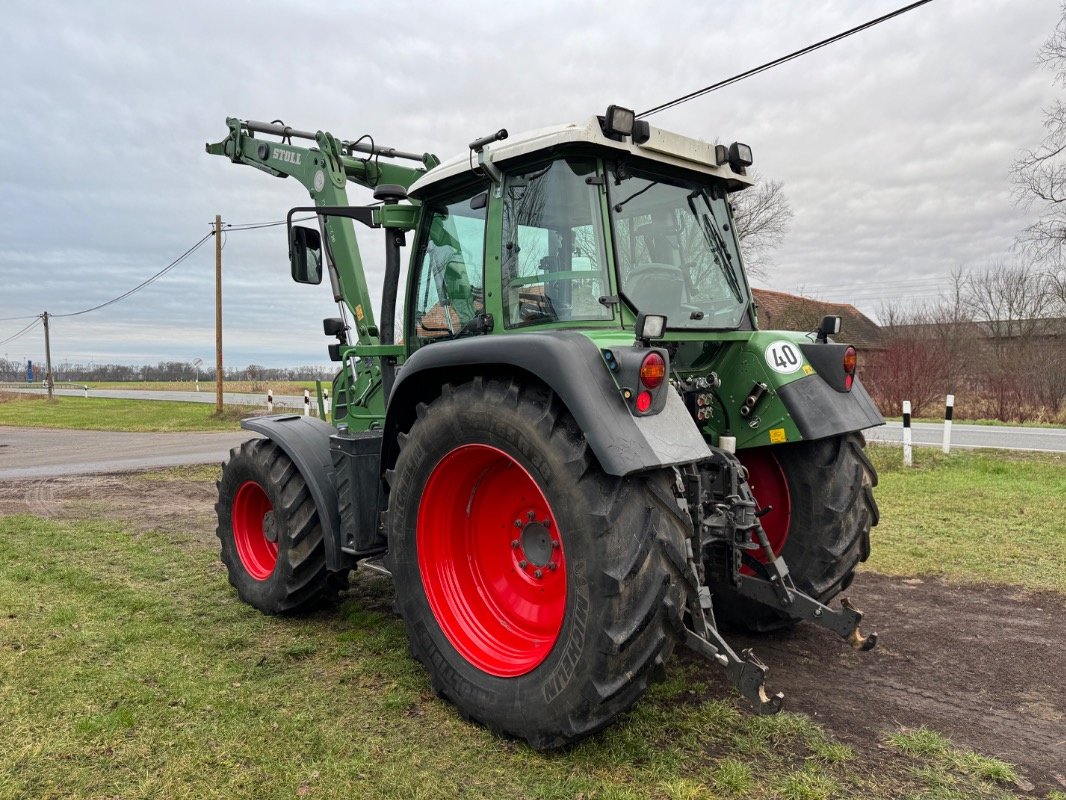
[783, 311]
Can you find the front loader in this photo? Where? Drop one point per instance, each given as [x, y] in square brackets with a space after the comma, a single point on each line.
[574, 449]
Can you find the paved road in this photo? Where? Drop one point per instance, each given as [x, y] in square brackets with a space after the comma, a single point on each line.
[1045, 440]
[47, 453]
[229, 398]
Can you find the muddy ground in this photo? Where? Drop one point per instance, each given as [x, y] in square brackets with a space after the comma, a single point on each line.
[983, 665]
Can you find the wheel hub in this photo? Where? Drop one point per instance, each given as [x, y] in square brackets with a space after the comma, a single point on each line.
[270, 527]
[537, 544]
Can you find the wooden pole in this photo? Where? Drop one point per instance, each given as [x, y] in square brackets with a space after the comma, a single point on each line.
[218, 313]
[49, 383]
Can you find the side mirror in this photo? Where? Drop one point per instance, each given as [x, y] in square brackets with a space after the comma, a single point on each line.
[305, 255]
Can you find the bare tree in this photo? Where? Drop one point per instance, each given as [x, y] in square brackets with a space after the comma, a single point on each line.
[1011, 301]
[1039, 174]
[762, 215]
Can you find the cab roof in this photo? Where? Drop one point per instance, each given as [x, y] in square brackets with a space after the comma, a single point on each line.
[661, 146]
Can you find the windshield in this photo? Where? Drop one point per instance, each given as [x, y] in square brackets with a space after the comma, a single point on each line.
[677, 254]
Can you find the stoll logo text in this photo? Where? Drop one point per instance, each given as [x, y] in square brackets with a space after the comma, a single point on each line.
[286, 155]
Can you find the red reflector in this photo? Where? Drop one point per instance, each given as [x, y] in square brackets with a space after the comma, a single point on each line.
[848, 380]
[851, 358]
[644, 401]
[652, 370]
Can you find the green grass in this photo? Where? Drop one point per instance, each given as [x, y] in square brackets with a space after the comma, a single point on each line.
[974, 516]
[129, 668]
[99, 414]
[278, 387]
[941, 766]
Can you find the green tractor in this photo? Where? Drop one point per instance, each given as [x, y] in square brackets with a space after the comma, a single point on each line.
[578, 449]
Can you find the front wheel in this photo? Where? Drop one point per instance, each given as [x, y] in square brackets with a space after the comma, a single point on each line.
[535, 588]
[821, 509]
[268, 526]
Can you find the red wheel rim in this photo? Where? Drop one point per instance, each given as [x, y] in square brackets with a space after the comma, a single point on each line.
[258, 554]
[491, 560]
[770, 488]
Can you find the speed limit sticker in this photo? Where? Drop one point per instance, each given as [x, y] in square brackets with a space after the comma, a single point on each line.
[783, 357]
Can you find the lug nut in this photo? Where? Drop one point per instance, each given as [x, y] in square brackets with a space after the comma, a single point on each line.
[518, 523]
[538, 574]
[553, 566]
[555, 545]
[547, 523]
[515, 543]
[523, 564]
[531, 516]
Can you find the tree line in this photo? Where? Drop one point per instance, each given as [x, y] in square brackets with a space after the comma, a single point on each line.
[996, 340]
[170, 371]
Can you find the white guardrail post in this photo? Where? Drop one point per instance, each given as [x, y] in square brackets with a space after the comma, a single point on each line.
[325, 401]
[949, 411]
[307, 402]
[270, 401]
[907, 450]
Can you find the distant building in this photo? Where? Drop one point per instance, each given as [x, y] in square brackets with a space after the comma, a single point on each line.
[783, 311]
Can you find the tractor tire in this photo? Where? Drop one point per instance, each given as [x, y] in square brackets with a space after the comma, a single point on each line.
[271, 537]
[541, 594]
[823, 509]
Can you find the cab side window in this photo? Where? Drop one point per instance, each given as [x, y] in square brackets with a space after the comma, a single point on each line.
[451, 280]
[554, 267]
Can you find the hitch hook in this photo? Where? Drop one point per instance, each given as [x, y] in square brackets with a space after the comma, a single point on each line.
[856, 638]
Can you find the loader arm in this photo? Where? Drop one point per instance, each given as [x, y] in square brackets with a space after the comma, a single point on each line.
[324, 170]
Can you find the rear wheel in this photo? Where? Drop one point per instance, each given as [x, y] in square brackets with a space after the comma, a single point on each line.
[269, 529]
[823, 508]
[536, 589]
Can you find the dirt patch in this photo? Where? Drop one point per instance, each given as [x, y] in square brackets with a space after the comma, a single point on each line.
[161, 501]
[982, 665]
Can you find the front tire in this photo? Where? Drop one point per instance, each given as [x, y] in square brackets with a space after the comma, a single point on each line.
[536, 589]
[271, 536]
[823, 510]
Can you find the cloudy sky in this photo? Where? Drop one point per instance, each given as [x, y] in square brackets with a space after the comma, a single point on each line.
[894, 146]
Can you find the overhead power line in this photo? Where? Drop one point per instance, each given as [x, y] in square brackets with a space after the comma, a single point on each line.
[143, 284]
[251, 226]
[783, 59]
[23, 332]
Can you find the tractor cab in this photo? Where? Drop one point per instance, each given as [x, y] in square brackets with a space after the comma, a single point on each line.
[579, 227]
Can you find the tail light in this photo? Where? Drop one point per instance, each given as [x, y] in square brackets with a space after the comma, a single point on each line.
[851, 359]
[652, 371]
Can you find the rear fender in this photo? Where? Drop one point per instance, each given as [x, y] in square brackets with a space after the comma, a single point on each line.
[572, 366]
[306, 441]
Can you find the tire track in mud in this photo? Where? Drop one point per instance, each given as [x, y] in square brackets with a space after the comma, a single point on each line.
[40, 498]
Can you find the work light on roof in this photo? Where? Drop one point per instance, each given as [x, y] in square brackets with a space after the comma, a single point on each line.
[618, 121]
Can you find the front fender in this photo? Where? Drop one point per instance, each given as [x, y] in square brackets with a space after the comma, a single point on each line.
[572, 366]
[306, 441]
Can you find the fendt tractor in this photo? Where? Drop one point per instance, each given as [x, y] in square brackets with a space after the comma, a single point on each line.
[576, 448]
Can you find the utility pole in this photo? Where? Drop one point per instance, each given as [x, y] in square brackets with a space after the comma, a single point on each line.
[218, 314]
[47, 358]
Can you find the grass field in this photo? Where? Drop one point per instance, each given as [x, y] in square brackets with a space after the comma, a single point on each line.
[989, 516]
[278, 387]
[129, 669]
[99, 414]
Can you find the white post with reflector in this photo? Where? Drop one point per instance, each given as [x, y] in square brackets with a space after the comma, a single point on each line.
[270, 401]
[325, 401]
[307, 403]
[907, 450]
[949, 412]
